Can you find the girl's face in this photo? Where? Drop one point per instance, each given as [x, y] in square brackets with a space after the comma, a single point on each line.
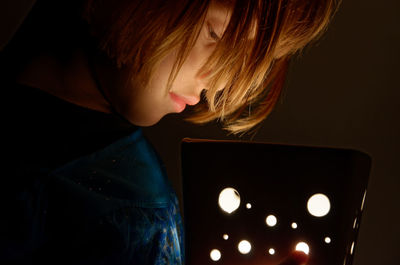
[145, 106]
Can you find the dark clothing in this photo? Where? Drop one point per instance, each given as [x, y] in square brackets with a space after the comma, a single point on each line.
[81, 187]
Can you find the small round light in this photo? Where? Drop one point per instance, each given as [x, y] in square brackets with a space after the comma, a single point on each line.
[328, 240]
[244, 247]
[271, 251]
[302, 246]
[318, 205]
[225, 236]
[248, 205]
[229, 200]
[215, 255]
[271, 220]
[294, 225]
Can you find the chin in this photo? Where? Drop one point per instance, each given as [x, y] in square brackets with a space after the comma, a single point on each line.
[144, 121]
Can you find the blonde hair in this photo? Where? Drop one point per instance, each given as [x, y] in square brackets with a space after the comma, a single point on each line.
[250, 61]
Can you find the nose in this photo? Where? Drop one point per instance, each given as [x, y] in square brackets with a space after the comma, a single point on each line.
[202, 83]
[201, 79]
[199, 84]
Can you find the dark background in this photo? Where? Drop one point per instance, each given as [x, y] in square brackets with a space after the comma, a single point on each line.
[342, 92]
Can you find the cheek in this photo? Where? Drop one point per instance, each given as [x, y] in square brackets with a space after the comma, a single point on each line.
[162, 72]
[147, 105]
[200, 53]
[145, 108]
[187, 78]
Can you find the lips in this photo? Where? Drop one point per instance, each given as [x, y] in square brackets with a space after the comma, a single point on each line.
[180, 101]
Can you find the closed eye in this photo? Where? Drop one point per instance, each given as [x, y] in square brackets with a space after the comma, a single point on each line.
[212, 33]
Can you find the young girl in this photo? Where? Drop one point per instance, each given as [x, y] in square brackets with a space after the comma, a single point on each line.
[79, 78]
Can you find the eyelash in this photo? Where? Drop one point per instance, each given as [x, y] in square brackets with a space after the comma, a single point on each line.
[212, 34]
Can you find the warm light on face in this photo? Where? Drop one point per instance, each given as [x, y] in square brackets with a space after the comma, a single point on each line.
[229, 200]
[318, 205]
[294, 225]
[302, 246]
[271, 220]
[145, 105]
[215, 255]
[271, 251]
[244, 247]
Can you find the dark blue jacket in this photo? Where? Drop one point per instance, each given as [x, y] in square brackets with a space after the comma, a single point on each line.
[82, 187]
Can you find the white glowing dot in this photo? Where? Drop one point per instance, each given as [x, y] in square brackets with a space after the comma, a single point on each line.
[294, 225]
[248, 206]
[244, 247]
[318, 205]
[215, 255]
[302, 246]
[271, 220]
[271, 251]
[352, 248]
[225, 237]
[328, 240]
[229, 200]
[363, 200]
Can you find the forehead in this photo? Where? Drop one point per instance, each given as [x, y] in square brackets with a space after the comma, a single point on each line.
[219, 14]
